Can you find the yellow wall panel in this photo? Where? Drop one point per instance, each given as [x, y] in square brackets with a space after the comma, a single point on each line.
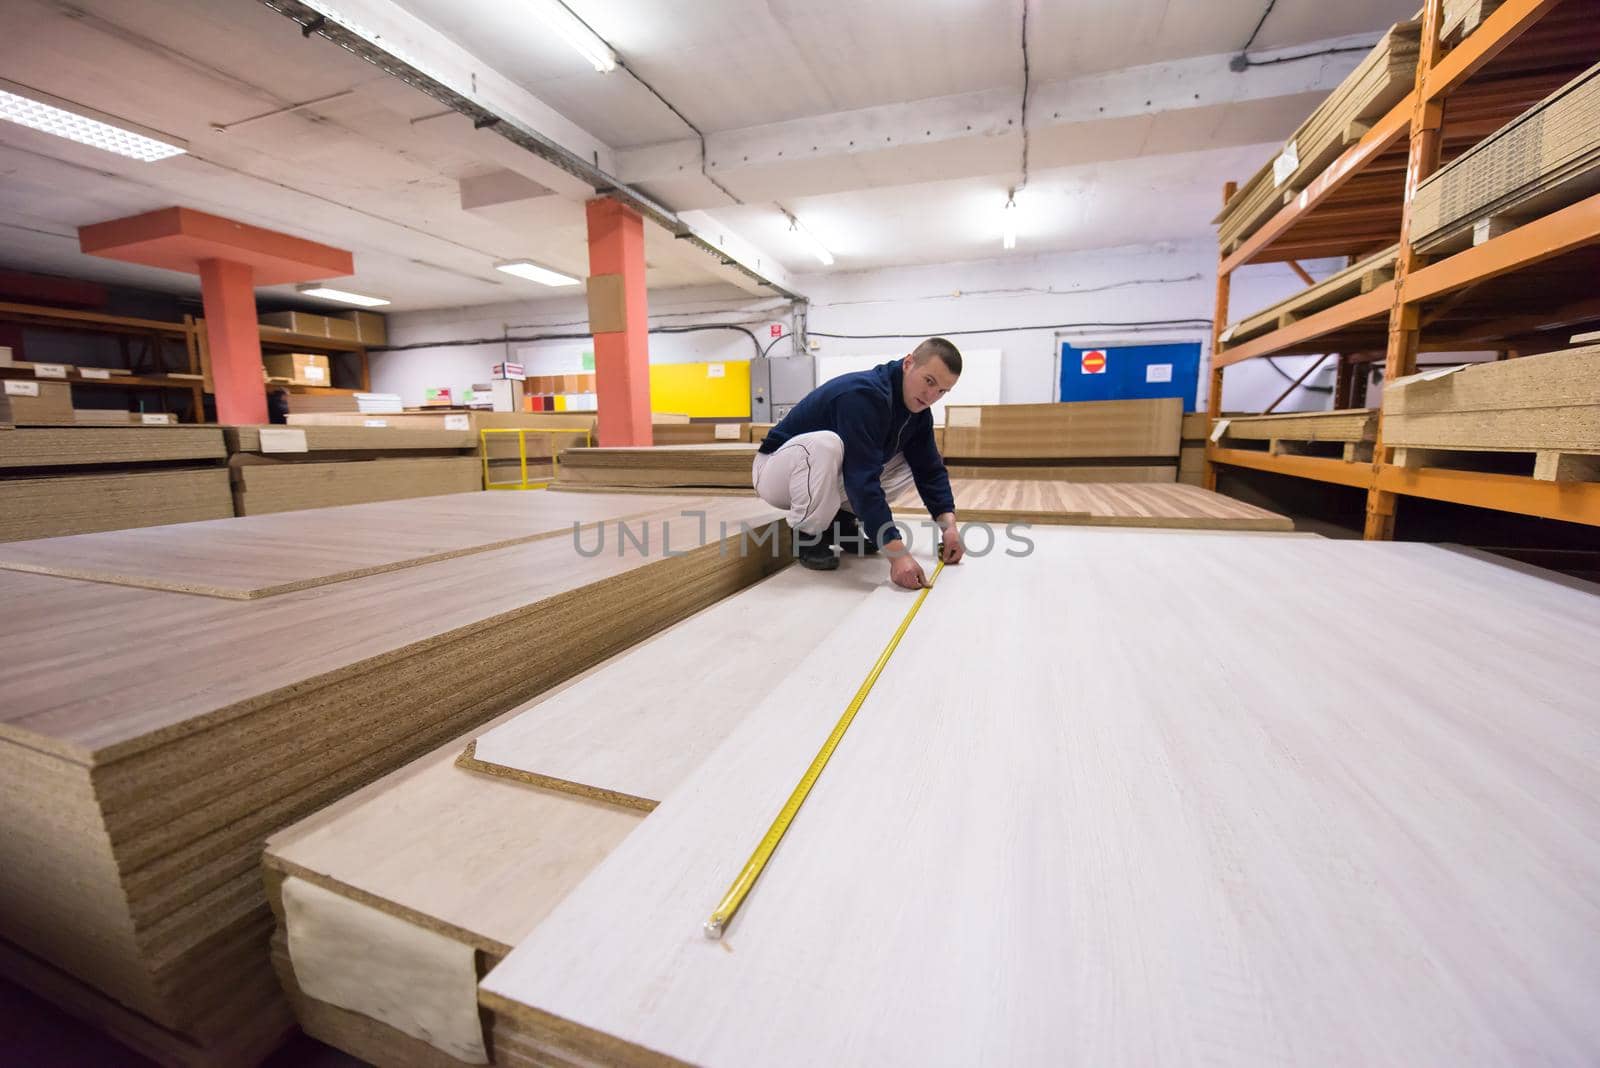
[705, 390]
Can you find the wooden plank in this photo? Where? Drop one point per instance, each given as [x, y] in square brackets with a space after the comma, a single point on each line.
[64, 505]
[262, 556]
[1173, 506]
[1358, 475]
[1080, 430]
[1358, 424]
[1077, 472]
[1148, 838]
[1369, 305]
[75, 445]
[264, 486]
[365, 439]
[1352, 281]
[1550, 380]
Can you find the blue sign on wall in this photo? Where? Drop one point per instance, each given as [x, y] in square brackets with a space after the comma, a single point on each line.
[1131, 372]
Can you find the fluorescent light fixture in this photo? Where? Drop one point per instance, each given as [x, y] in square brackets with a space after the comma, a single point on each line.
[576, 33]
[344, 296]
[52, 115]
[1008, 224]
[534, 273]
[815, 247]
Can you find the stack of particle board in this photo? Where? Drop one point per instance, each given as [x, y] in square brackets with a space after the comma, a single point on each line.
[1091, 814]
[1383, 78]
[699, 433]
[1547, 406]
[725, 466]
[279, 469]
[1545, 159]
[451, 420]
[1192, 453]
[1175, 507]
[1345, 433]
[1352, 281]
[74, 479]
[1098, 441]
[5, 412]
[307, 403]
[140, 784]
[396, 850]
[1461, 17]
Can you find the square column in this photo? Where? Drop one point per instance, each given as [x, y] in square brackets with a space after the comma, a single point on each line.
[619, 320]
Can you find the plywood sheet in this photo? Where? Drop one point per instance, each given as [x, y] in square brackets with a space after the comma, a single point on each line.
[1081, 430]
[1549, 401]
[727, 465]
[1354, 424]
[62, 505]
[1087, 472]
[363, 439]
[263, 487]
[1174, 506]
[613, 737]
[62, 446]
[1226, 848]
[260, 556]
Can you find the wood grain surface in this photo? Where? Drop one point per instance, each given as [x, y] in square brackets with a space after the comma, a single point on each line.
[1131, 837]
[1133, 504]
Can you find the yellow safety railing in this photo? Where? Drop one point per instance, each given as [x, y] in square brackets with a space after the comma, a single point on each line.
[522, 433]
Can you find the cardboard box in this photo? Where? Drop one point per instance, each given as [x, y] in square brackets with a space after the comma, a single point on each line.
[302, 368]
[37, 402]
[297, 322]
[371, 328]
[340, 329]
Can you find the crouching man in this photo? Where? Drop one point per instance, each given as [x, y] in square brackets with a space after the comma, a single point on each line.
[850, 447]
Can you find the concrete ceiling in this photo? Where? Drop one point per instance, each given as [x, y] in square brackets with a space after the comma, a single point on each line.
[890, 128]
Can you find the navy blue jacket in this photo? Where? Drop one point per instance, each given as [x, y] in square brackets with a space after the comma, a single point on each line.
[868, 412]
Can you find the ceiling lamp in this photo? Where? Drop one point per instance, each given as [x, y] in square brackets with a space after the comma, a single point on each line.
[52, 115]
[815, 247]
[343, 296]
[1008, 223]
[576, 33]
[534, 273]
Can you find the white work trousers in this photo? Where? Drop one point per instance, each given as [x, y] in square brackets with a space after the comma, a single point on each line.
[805, 476]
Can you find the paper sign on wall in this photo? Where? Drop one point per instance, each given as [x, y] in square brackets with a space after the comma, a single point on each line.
[1158, 372]
[457, 422]
[716, 370]
[49, 370]
[15, 388]
[282, 439]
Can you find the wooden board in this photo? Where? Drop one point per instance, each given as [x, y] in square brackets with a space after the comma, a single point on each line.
[1545, 402]
[1081, 430]
[1352, 281]
[1173, 506]
[475, 420]
[700, 433]
[267, 485]
[363, 439]
[1225, 849]
[63, 446]
[1352, 424]
[150, 740]
[612, 737]
[1077, 472]
[725, 464]
[63, 505]
[260, 556]
[1546, 158]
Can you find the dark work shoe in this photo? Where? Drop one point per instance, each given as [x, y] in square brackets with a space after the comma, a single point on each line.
[816, 554]
[849, 537]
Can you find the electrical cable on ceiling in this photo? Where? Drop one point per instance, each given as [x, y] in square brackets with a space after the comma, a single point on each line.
[1248, 62]
[625, 65]
[1145, 324]
[1026, 77]
[585, 335]
[1260, 22]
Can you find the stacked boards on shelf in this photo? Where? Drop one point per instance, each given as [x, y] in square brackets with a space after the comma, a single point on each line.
[1087, 441]
[281, 469]
[723, 467]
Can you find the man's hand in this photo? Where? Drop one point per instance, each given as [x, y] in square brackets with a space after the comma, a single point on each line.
[950, 548]
[903, 567]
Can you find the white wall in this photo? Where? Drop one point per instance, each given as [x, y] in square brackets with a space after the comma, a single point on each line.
[1012, 303]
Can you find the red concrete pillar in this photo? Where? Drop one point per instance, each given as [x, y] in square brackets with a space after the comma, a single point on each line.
[228, 291]
[619, 320]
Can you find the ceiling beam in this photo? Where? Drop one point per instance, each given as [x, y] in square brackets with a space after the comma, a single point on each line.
[1060, 113]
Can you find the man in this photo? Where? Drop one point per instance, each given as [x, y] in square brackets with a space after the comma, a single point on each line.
[850, 447]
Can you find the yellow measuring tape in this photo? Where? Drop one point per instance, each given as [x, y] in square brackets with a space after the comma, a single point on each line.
[723, 914]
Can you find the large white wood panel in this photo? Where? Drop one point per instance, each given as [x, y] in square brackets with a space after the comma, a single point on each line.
[1124, 802]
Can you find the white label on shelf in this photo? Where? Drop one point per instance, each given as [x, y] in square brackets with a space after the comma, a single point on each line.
[963, 416]
[458, 422]
[1227, 334]
[49, 370]
[373, 422]
[1426, 376]
[1158, 372]
[727, 432]
[18, 388]
[1286, 164]
[716, 370]
[1220, 429]
[314, 373]
[282, 439]
[98, 373]
[156, 418]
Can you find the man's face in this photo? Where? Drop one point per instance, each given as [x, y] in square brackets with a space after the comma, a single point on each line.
[924, 383]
